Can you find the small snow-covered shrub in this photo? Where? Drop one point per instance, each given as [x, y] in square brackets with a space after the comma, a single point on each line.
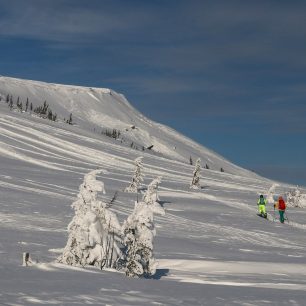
[94, 232]
[137, 176]
[195, 183]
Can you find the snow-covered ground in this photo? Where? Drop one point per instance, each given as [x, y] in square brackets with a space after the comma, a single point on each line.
[211, 247]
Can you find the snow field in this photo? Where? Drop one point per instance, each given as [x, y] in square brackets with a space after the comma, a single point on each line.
[211, 247]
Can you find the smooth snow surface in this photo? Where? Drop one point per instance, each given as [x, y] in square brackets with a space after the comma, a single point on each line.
[211, 247]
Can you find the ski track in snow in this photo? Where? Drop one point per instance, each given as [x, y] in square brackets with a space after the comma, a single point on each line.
[229, 233]
[28, 223]
[17, 187]
[58, 148]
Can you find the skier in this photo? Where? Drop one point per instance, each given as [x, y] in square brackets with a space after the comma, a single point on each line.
[281, 206]
[262, 206]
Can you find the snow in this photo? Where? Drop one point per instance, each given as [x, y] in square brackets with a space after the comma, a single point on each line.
[96, 109]
[210, 246]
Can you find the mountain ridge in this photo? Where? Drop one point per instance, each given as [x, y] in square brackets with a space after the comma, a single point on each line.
[98, 109]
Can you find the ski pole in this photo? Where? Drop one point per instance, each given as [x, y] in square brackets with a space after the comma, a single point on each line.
[286, 216]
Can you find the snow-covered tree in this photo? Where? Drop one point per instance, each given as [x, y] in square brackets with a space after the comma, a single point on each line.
[137, 176]
[94, 231]
[139, 232]
[303, 200]
[295, 198]
[195, 183]
[270, 194]
[27, 104]
[151, 197]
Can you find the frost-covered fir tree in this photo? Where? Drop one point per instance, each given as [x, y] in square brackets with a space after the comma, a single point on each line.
[139, 232]
[94, 232]
[137, 176]
[303, 200]
[151, 196]
[270, 194]
[295, 198]
[195, 183]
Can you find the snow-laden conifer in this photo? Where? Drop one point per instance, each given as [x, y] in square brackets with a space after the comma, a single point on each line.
[270, 194]
[137, 176]
[94, 230]
[151, 196]
[139, 231]
[195, 183]
[295, 198]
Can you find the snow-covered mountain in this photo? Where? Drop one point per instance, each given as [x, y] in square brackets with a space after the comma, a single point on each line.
[97, 109]
[211, 247]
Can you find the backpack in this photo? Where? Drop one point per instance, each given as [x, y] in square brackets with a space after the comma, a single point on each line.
[281, 204]
[262, 201]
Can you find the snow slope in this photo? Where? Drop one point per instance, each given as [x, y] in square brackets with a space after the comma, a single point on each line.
[211, 247]
[95, 109]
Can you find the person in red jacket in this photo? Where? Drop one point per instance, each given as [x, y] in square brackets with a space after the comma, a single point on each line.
[281, 206]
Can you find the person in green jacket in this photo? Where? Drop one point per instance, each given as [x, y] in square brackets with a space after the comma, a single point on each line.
[262, 202]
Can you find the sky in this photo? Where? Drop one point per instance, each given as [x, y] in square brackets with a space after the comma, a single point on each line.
[229, 74]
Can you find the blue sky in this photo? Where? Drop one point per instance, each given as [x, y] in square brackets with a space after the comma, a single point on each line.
[229, 74]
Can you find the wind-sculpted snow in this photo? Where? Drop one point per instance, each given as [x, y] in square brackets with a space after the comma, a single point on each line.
[211, 248]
